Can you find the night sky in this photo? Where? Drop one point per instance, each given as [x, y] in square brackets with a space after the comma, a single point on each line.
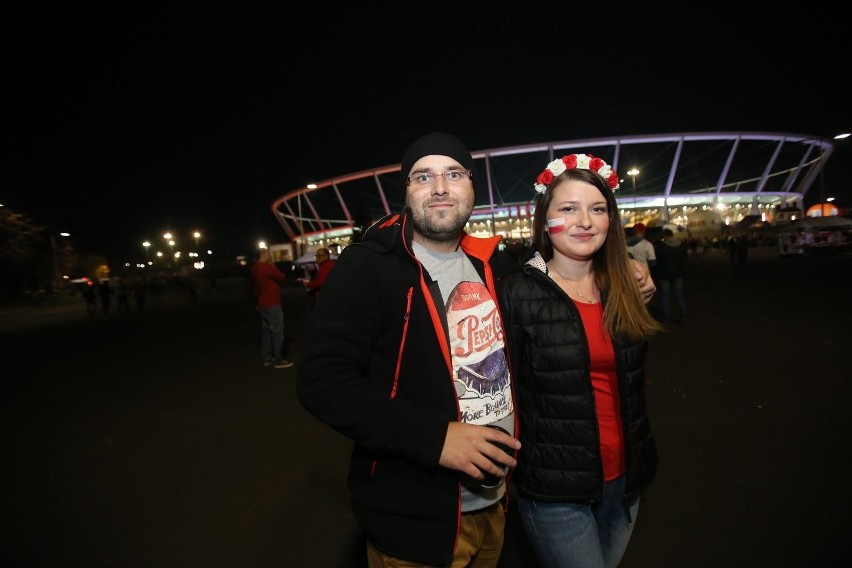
[121, 123]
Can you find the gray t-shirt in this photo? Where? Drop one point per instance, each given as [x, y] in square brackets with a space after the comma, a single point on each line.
[480, 369]
[643, 251]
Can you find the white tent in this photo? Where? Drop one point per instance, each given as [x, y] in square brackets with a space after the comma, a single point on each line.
[815, 235]
[831, 222]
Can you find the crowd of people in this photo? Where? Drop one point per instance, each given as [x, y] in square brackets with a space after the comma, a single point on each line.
[125, 294]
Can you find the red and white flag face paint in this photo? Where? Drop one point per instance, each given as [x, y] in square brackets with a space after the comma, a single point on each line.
[556, 225]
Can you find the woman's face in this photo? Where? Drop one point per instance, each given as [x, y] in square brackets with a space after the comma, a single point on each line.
[577, 219]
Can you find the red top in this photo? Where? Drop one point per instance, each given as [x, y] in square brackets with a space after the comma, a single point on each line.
[605, 385]
[266, 278]
[317, 281]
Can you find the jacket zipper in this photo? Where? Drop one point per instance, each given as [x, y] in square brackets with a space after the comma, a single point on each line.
[405, 319]
[594, 405]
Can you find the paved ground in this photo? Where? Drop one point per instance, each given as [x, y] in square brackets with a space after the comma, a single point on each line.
[156, 439]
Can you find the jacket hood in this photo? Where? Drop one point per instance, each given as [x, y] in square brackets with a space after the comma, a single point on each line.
[386, 233]
[537, 263]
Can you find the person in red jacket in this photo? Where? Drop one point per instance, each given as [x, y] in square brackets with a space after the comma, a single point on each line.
[324, 266]
[314, 285]
[267, 278]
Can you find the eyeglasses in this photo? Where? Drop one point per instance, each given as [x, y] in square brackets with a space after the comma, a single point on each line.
[452, 177]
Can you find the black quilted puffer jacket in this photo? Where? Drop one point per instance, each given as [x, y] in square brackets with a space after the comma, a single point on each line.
[560, 458]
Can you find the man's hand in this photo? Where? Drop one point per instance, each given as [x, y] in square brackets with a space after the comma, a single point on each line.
[469, 449]
[643, 278]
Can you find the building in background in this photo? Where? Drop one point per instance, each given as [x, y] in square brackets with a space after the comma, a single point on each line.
[701, 184]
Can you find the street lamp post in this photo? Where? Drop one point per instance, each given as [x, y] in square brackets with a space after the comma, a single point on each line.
[58, 260]
[633, 172]
[825, 206]
[146, 244]
[168, 236]
[197, 236]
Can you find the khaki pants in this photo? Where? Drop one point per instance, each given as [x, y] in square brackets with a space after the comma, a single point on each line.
[479, 545]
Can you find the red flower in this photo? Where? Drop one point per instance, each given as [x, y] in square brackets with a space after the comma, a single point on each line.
[545, 177]
[612, 180]
[570, 161]
[595, 163]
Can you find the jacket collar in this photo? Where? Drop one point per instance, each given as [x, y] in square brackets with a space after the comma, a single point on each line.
[395, 230]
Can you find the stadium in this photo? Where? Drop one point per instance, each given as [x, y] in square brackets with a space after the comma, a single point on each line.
[701, 184]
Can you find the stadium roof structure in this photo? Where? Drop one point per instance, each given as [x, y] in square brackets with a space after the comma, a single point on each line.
[754, 169]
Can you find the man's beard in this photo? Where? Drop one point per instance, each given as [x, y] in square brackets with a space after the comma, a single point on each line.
[442, 226]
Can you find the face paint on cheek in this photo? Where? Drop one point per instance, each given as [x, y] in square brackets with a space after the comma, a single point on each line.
[555, 226]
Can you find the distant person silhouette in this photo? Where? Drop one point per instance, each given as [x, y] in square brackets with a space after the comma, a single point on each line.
[314, 285]
[267, 279]
[641, 248]
[90, 295]
[139, 289]
[105, 294]
[669, 275]
[324, 266]
[742, 249]
[192, 289]
[732, 249]
[122, 295]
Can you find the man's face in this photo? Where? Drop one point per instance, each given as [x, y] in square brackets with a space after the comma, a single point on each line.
[440, 208]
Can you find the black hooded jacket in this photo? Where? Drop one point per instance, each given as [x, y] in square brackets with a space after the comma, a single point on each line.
[376, 367]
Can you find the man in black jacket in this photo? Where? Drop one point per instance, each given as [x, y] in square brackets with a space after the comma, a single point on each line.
[411, 366]
[405, 355]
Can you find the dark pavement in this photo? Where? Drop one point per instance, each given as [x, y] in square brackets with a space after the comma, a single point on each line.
[156, 439]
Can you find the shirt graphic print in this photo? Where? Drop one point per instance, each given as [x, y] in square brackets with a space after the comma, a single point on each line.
[480, 368]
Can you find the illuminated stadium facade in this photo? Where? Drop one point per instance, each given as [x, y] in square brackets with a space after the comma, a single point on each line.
[701, 183]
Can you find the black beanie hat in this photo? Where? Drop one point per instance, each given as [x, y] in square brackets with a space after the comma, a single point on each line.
[439, 144]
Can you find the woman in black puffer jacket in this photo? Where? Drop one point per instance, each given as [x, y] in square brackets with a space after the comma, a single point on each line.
[577, 329]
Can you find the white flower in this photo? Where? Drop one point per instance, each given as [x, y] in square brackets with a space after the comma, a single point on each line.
[540, 187]
[556, 166]
[605, 171]
[583, 161]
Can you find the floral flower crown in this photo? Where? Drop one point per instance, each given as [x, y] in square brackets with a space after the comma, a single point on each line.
[572, 162]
